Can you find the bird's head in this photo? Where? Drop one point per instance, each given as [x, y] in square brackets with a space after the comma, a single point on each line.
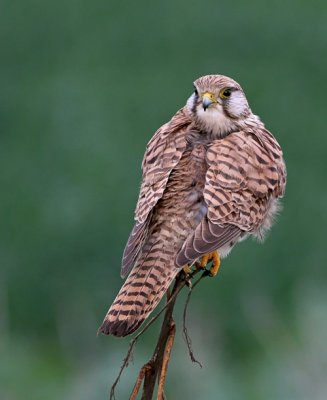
[218, 103]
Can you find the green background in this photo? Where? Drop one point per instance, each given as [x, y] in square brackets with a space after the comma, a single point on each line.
[84, 85]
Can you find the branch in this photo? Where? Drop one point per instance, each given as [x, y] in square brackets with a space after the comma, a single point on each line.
[156, 367]
[185, 331]
[166, 358]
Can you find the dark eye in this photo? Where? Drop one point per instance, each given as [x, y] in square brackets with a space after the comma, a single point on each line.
[196, 91]
[225, 93]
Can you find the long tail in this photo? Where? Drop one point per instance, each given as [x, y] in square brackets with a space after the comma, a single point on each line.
[143, 289]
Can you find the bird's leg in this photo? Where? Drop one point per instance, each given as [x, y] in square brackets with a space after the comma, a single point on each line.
[214, 257]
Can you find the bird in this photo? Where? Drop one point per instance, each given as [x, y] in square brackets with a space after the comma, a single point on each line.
[211, 177]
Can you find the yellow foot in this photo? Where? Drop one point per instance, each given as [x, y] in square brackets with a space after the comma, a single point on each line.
[187, 269]
[214, 257]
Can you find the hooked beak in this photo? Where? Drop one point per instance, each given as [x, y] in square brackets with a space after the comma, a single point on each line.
[208, 99]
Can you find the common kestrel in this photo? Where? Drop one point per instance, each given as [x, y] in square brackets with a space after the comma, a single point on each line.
[212, 176]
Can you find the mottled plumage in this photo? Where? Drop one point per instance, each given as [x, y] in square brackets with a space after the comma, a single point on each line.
[211, 177]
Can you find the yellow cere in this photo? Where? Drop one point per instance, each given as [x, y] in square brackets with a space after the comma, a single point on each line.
[210, 96]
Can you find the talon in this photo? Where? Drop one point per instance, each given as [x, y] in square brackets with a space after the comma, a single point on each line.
[206, 272]
[187, 269]
[215, 263]
[214, 257]
[204, 260]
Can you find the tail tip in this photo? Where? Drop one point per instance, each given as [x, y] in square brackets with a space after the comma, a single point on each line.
[119, 328]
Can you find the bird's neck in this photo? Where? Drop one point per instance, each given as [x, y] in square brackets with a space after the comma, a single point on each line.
[214, 125]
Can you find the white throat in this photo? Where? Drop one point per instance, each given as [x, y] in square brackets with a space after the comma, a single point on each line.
[213, 120]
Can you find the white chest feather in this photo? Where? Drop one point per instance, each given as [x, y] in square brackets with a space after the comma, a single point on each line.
[214, 120]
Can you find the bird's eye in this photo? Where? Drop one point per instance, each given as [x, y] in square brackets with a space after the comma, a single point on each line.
[196, 91]
[225, 93]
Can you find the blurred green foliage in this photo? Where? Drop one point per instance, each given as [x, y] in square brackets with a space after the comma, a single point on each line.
[84, 85]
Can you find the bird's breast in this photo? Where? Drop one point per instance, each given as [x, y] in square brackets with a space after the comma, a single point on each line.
[183, 195]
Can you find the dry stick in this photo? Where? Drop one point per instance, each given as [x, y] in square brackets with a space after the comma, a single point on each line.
[146, 372]
[185, 331]
[158, 361]
[139, 381]
[127, 359]
[169, 346]
[158, 355]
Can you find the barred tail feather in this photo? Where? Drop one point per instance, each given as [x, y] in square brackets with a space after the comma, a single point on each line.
[142, 291]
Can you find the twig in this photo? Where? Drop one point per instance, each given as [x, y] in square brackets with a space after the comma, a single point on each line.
[139, 381]
[158, 364]
[159, 352]
[187, 337]
[134, 340]
[169, 346]
[124, 365]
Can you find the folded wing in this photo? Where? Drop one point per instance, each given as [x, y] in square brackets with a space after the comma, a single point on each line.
[163, 153]
[245, 177]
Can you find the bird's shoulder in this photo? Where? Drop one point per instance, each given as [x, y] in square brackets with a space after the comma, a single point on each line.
[162, 154]
[169, 138]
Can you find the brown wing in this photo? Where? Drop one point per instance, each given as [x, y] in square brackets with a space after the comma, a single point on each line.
[162, 154]
[246, 174]
[134, 244]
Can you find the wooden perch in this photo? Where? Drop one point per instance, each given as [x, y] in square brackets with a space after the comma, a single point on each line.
[156, 368]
